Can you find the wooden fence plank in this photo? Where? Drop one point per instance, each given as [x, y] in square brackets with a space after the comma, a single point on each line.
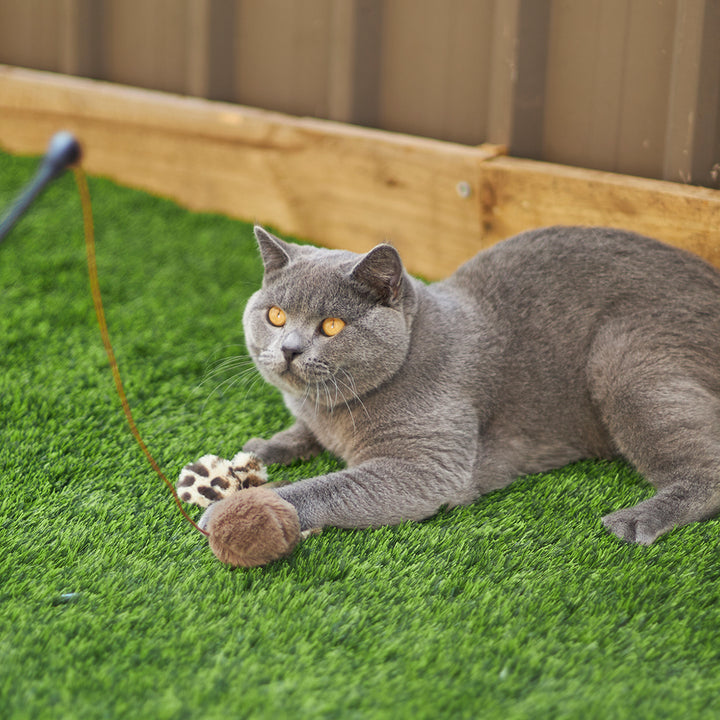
[339, 185]
[81, 36]
[436, 59]
[355, 57]
[281, 55]
[520, 42]
[608, 75]
[29, 33]
[694, 97]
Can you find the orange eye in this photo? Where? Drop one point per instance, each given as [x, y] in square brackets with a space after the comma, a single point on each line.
[332, 326]
[276, 316]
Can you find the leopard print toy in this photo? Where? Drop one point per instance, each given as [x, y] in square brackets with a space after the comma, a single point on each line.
[213, 478]
[247, 525]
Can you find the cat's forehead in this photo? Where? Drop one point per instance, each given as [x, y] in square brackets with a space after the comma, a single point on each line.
[315, 280]
[309, 256]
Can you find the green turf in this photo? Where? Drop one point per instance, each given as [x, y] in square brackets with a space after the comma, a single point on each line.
[111, 606]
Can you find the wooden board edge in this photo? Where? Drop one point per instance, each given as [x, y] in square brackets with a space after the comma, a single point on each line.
[339, 185]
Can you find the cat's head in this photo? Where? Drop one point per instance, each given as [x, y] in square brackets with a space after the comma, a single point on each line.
[328, 325]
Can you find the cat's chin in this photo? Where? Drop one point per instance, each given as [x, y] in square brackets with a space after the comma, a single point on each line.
[317, 392]
[286, 381]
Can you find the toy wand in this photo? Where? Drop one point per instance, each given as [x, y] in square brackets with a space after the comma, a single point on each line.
[62, 151]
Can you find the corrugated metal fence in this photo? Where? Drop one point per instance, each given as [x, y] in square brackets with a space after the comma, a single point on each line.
[630, 86]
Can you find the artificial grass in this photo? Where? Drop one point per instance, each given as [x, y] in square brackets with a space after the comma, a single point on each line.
[520, 606]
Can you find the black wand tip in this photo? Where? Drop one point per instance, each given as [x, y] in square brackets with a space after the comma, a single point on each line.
[63, 150]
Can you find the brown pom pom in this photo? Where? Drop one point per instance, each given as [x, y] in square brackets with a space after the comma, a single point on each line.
[253, 527]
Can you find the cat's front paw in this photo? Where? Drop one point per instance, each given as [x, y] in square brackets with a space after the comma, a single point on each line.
[270, 452]
[213, 478]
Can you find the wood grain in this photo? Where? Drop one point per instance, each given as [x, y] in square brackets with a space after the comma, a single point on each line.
[339, 185]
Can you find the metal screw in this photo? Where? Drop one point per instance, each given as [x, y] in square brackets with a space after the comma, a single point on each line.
[464, 189]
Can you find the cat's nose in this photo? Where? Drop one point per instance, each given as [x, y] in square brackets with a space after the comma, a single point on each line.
[292, 346]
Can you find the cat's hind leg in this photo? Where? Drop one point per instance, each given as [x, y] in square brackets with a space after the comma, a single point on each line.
[661, 406]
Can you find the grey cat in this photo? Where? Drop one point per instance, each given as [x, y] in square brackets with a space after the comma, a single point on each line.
[557, 344]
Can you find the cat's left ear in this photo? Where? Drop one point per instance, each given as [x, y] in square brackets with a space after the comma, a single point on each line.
[274, 251]
[381, 271]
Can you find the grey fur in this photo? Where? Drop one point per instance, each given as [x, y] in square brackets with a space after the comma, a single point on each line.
[558, 344]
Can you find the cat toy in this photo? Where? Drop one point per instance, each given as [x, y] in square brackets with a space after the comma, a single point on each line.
[247, 528]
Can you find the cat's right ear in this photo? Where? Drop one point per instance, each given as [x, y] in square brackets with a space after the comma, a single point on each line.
[381, 271]
[274, 251]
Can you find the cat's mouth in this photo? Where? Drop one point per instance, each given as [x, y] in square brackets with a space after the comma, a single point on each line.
[289, 375]
[299, 377]
[303, 377]
[310, 378]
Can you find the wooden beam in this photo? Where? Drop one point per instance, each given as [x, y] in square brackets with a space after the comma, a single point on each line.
[521, 194]
[338, 185]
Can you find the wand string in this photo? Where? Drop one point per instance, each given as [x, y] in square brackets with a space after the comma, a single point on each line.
[82, 185]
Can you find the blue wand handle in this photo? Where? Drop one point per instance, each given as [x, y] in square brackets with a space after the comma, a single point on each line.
[62, 151]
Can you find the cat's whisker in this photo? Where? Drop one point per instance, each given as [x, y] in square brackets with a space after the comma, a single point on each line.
[229, 358]
[322, 394]
[337, 390]
[244, 369]
[351, 387]
[317, 400]
[347, 404]
[216, 356]
[227, 364]
[305, 396]
[253, 383]
[330, 403]
[217, 390]
[246, 374]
